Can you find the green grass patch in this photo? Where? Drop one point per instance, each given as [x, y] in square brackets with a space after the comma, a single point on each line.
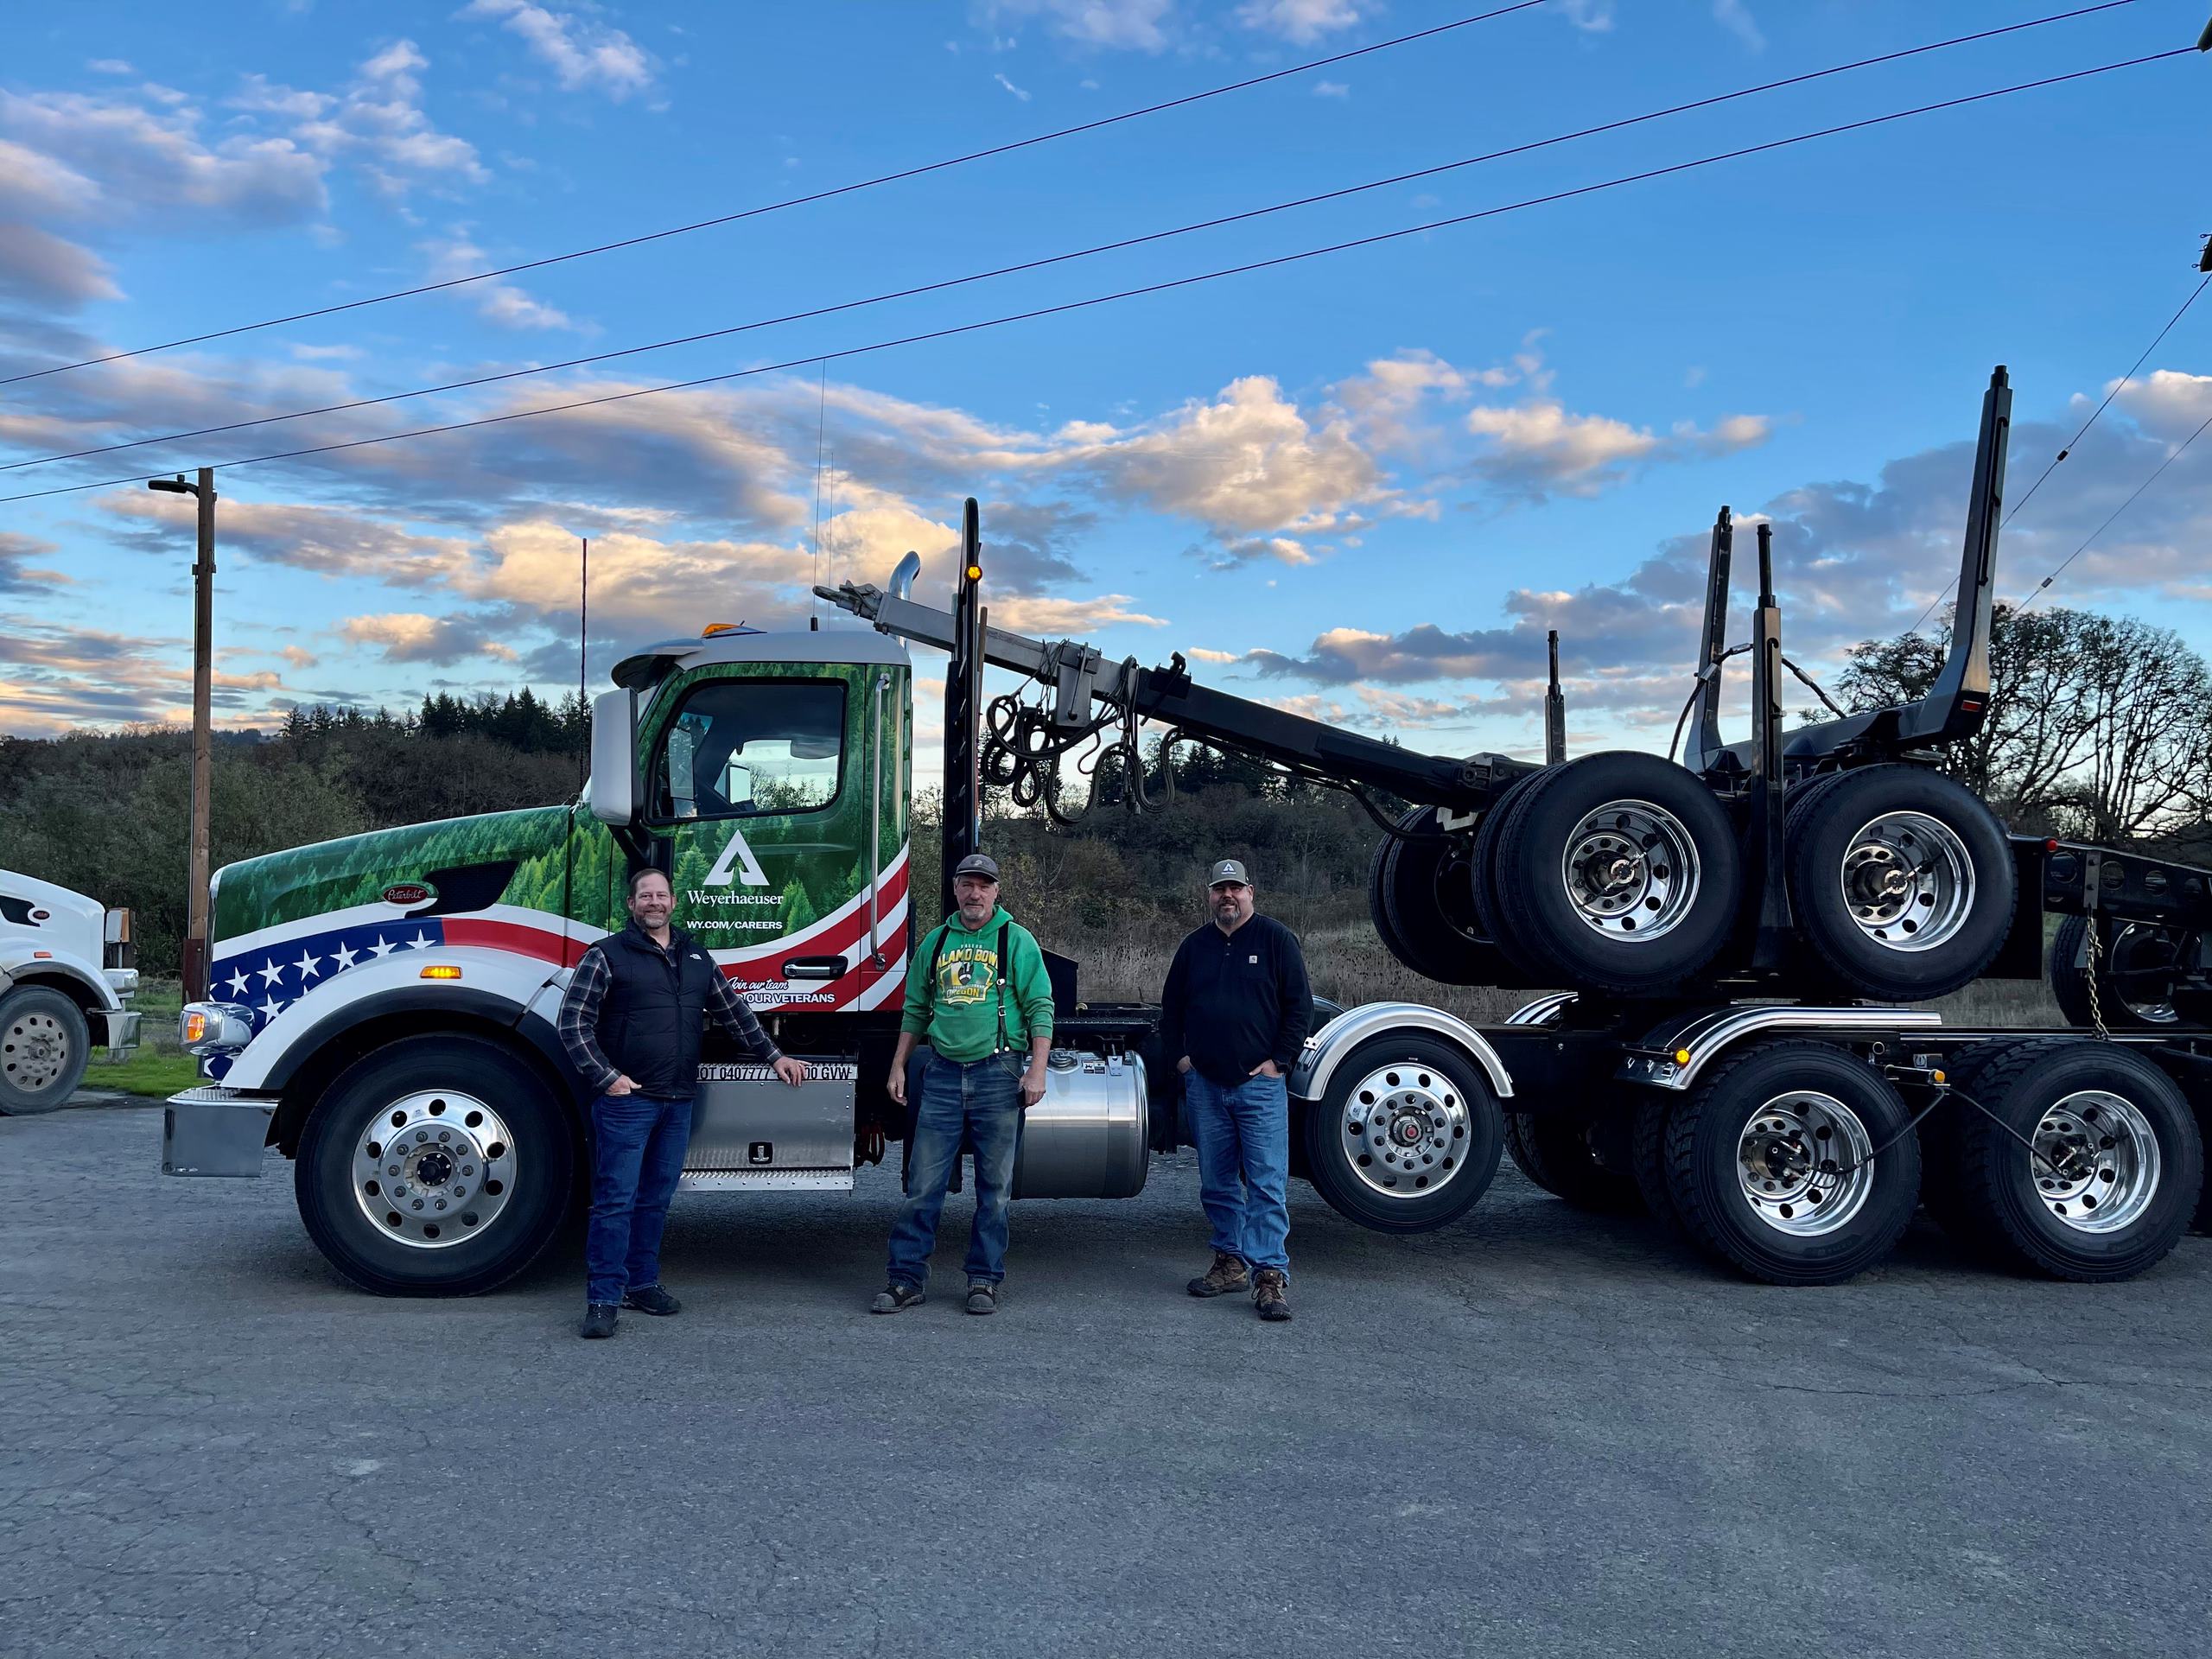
[144, 1073]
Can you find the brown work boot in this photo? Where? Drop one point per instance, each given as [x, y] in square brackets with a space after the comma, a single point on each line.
[1271, 1293]
[1227, 1274]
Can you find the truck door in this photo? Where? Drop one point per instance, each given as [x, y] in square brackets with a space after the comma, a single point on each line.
[771, 782]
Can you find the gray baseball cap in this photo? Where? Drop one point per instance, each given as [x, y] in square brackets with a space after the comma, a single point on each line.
[981, 864]
[1228, 869]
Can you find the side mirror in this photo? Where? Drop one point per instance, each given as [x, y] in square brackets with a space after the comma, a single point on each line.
[614, 757]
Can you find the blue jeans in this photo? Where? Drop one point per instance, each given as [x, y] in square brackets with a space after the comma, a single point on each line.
[982, 1101]
[638, 1146]
[1242, 1134]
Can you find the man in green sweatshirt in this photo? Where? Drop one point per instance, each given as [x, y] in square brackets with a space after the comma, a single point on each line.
[976, 990]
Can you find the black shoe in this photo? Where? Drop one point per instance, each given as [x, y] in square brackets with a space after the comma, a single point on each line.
[1270, 1294]
[652, 1299]
[982, 1296]
[895, 1298]
[599, 1321]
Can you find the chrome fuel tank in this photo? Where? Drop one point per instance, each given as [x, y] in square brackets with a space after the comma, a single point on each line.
[1091, 1136]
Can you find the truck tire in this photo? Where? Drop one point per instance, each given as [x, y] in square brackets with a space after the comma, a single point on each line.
[2139, 967]
[1770, 1160]
[1902, 884]
[1648, 1160]
[1617, 871]
[44, 1045]
[1483, 865]
[2121, 1168]
[1560, 1152]
[1405, 1138]
[438, 1167]
[1428, 904]
[1378, 910]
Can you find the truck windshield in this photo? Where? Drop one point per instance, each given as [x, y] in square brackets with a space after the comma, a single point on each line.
[740, 747]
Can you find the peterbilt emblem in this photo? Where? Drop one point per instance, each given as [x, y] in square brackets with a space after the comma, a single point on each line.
[408, 894]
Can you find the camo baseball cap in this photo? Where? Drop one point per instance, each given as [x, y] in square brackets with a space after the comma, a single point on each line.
[1228, 869]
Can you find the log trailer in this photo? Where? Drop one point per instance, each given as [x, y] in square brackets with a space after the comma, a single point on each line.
[1740, 940]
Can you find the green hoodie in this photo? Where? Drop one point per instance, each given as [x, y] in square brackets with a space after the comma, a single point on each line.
[958, 1014]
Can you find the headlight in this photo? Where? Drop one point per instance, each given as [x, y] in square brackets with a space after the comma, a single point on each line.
[214, 1027]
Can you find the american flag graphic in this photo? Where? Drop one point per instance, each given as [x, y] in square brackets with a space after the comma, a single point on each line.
[269, 979]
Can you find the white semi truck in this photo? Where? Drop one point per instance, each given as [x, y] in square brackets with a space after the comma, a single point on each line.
[65, 985]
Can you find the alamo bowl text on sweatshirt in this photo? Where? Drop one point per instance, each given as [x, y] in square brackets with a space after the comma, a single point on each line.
[955, 1009]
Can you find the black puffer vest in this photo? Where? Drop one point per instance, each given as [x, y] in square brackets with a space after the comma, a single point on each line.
[650, 1020]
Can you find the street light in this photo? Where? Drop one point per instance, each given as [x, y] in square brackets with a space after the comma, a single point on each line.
[203, 601]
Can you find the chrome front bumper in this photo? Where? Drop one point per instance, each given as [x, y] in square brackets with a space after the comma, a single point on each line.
[122, 1032]
[216, 1131]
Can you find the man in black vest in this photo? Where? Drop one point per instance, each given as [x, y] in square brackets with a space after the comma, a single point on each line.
[631, 1022]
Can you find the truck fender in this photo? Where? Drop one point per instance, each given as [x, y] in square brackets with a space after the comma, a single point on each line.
[494, 985]
[1326, 1047]
[19, 967]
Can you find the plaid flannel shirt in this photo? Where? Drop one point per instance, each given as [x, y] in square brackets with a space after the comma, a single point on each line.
[579, 1023]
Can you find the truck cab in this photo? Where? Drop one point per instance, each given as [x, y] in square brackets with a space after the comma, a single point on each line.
[66, 979]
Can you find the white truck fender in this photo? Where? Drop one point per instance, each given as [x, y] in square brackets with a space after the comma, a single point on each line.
[494, 984]
[1325, 1049]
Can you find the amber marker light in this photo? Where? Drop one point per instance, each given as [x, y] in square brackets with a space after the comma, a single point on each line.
[441, 970]
[1681, 1056]
[195, 1026]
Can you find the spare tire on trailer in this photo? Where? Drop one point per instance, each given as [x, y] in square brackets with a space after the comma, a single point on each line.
[1406, 1137]
[2139, 967]
[1618, 871]
[1902, 884]
[2111, 1172]
[1795, 1162]
[1561, 1152]
[1428, 915]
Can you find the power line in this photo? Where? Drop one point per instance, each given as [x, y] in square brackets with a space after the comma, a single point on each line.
[818, 195]
[2176, 455]
[1079, 253]
[2067, 450]
[1064, 307]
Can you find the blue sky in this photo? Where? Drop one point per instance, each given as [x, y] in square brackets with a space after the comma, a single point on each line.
[1363, 485]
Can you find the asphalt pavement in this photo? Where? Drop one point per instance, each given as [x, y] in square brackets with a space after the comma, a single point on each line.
[1536, 1433]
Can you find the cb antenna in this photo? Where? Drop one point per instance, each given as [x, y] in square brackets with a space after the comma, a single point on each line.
[583, 639]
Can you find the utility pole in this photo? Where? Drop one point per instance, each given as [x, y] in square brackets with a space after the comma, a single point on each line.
[203, 613]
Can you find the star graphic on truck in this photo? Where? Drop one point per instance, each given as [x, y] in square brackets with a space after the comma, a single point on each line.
[270, 973]
[238, 981]
[344, 957]
[309, 965]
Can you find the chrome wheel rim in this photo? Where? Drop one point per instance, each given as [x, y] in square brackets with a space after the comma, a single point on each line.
[1801, 1164]
[2096, 1163]
[1630, 870]
[1908, 881]
[433, 1169]
[1406, 1129]
[34, 1052]
[2126, 954]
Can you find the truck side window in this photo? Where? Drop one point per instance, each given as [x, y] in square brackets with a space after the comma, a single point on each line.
[740, 747]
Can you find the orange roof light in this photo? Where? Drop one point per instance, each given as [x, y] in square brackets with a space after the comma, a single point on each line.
[441, 970]
[714, 629]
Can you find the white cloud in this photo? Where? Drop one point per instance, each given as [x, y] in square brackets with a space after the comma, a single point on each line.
[379, 123]
[1330, 89]
[110, 67]
[1011, 87]
[581, 52]
[1735, 17]
[495, 299]
[1539, 449]
[1592, 17]
[43, 269]
[412, 637]
[1302, 21]
[1137, 24]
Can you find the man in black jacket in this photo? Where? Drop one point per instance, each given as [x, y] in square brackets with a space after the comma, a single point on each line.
[1235, 1013]
[630, 1021]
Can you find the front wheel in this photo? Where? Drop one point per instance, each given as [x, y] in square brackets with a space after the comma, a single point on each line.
[44, 1044]
[1406, 1137]
[1794, 1163]
[435, 1167]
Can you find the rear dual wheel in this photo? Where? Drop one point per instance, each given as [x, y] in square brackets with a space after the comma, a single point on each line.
[1406, 1137]
[1794, 1163]
[2085, 1163]
[1582, 1159]
[1420, 892]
